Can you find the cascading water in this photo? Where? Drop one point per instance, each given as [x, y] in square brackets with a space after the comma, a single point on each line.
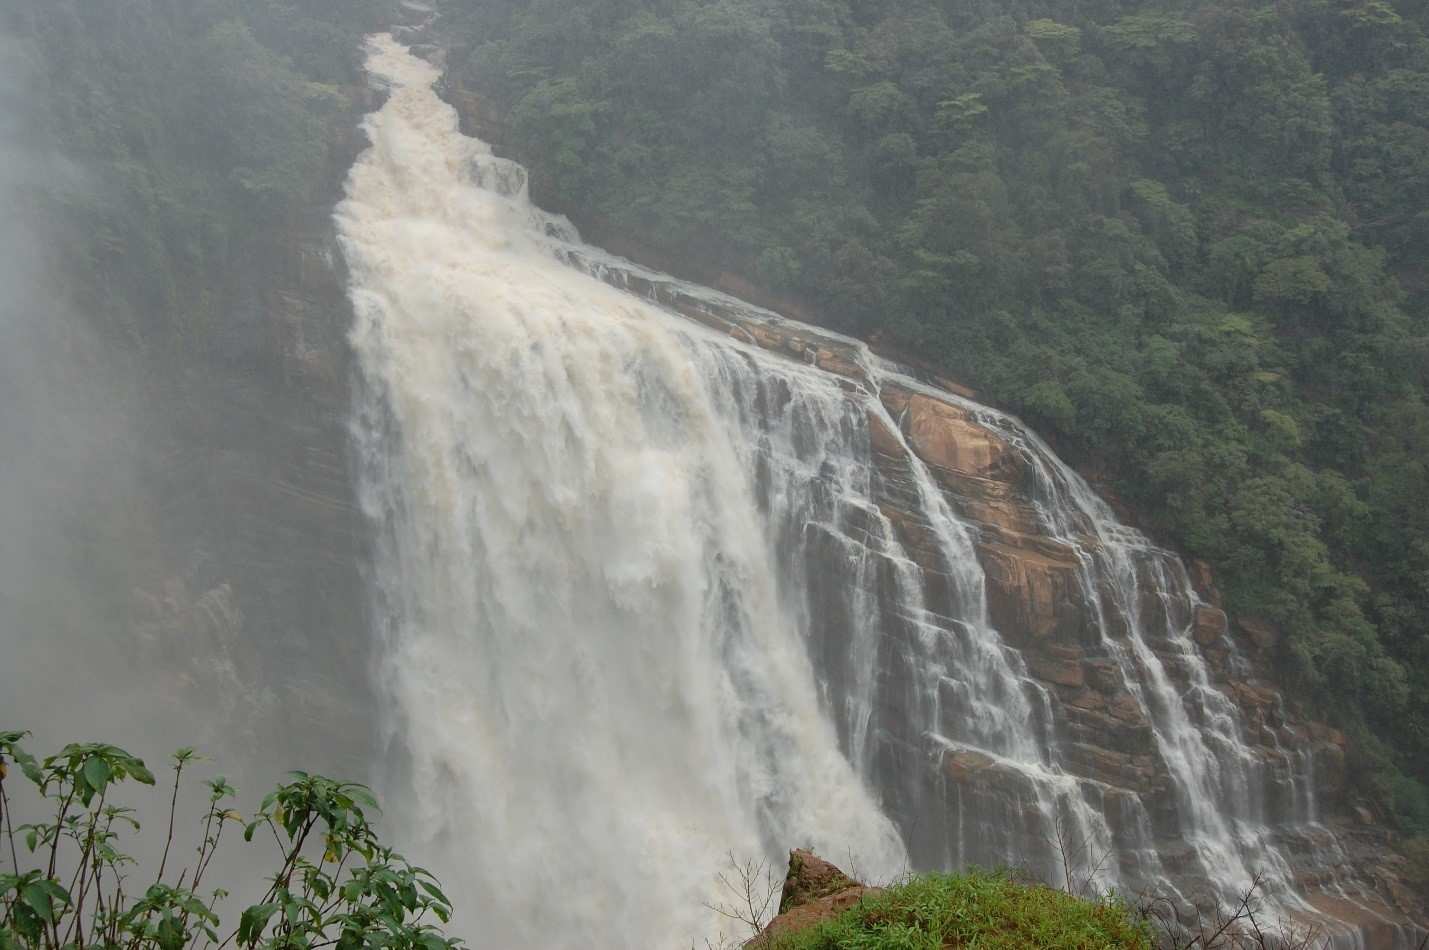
[642, 602]
[594, 685]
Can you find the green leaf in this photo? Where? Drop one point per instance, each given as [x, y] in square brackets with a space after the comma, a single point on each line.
[435, 891]
[29, 767]
[32, 839]
[364, 797]
[253, 921]
[38, 898]
[171, 936]
[97, 774]
[57, 893]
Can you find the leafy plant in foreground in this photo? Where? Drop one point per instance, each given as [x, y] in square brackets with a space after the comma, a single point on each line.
[71, 885]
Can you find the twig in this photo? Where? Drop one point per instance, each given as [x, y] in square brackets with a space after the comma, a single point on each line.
[59, 826]
[9, 825]
[755, 896]
[173, 807]
[1062, 852]
[81, 873]
[283, 876]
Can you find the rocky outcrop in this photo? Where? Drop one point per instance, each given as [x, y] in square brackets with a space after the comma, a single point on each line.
[814, 891]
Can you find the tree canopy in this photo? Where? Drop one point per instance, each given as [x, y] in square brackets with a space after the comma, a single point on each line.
[1186, 240]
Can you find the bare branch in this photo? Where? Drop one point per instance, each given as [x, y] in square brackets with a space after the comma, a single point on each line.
[753, 887]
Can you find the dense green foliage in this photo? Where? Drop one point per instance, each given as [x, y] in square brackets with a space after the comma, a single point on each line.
[72, 886]
[972, 910]
[1187, 240]
[190, 132]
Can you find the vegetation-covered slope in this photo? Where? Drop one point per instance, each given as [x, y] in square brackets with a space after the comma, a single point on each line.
[191, 130]
[976, 909]
[1187, 240]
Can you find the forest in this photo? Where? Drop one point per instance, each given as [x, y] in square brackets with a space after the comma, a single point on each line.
[1187, 241]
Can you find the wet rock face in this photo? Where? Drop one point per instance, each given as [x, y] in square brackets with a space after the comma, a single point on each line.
[950, 441]
[256, 607]
[1038, 600]
[1037, 677]
[1010, 668]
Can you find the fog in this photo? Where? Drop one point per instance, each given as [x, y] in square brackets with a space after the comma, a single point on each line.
[69, 496]
[123, 565]
[101, 638]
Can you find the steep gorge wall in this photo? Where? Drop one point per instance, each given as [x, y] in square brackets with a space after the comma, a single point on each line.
[249, 609]
[1032, 588]
[1101, 714]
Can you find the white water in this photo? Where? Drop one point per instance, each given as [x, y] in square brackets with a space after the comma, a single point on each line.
[594, 686]
[640, 605]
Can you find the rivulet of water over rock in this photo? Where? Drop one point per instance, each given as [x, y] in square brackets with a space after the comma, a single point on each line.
[654, 590]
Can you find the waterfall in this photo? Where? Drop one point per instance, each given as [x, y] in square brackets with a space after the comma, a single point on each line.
[594, 686]
[642, 602]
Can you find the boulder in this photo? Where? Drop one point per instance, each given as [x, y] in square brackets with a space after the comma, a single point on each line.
[1126, 708]
[1209, 625]
[947, 438]
[1204, 581]
[882, 439]
[814, 890]
[1264, 634]
[838, 362]
[1058, 665]
[965, 763]
[1105, 765]
[1030, 594]
[896, 399]
[1104, 675]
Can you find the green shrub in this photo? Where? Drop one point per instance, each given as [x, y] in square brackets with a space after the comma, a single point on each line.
[976, 909]
[1410, 800]
[73, 886]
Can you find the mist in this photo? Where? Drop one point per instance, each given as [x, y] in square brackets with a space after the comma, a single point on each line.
[124, 568]
[71, 507]
[122, 576]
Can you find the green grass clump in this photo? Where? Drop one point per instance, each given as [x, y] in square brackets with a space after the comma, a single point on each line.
[977, 909]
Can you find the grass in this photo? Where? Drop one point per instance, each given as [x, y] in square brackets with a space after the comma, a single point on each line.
[986, 910]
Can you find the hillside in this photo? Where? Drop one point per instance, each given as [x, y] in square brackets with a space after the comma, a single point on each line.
[1186, 241]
